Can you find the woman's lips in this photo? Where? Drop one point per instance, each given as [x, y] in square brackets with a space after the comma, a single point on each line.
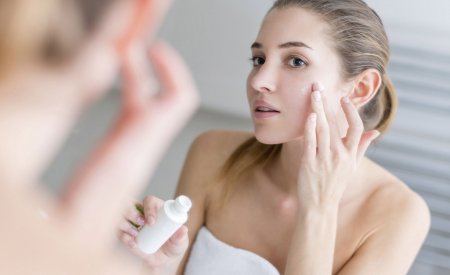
[263, 115]
[264, 110]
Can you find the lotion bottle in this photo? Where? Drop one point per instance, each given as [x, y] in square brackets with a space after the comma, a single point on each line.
[171, 216]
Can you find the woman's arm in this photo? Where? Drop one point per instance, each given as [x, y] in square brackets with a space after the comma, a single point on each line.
[192, 183]
[327, 164]
[390, 248]
[200, 169]
[313, 242]
[197, 181]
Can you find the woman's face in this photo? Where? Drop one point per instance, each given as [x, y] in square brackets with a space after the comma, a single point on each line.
[291, 52]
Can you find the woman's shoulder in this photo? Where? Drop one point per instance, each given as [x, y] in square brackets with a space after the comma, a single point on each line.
[218, 145]
[394, 221]
[210, 150]
[396, 203]
[390, 186]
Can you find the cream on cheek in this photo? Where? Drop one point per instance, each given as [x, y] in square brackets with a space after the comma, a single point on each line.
[296, 108]
[303, 101]
[297, 95]
[305, 90]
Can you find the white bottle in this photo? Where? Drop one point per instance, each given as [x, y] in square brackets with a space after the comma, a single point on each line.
[171, 216]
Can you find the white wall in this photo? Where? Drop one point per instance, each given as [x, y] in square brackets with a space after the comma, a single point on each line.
[215, 37]
[423, 16]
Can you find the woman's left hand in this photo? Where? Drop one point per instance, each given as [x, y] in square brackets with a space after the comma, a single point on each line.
[329, 161]
[167, 259]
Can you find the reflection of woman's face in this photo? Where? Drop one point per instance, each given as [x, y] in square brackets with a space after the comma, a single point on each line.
[291, 52]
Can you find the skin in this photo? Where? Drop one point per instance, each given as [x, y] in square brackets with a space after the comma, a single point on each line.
[39, 105]
[321, 207]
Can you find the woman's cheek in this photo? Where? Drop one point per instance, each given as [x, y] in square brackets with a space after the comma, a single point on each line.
[300, 108]
[304, 98]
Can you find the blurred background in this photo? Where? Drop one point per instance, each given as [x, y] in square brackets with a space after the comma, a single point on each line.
[214, 36]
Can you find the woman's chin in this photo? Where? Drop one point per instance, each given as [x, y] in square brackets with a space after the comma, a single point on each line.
[275, 138]
[269, 139]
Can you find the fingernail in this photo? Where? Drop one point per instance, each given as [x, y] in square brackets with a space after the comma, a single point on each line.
[140, 221]
[345, 99]
[133, 232]
[316, 95]
[151, 220]
[377, 134]
[320, 86]
[132, 243]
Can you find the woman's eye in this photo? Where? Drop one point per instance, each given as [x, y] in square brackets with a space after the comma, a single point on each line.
[296, 62]
[257, 61]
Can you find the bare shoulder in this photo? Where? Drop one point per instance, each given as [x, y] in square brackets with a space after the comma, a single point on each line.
[207, 154]
[398, 201]
[215, 146]
[223, 138]
[397, 221]
[397, 206]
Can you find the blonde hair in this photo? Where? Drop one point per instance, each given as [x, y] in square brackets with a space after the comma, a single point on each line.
[49, 31]
[358, 36]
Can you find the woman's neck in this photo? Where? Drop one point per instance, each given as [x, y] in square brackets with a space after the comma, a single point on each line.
[284, 169]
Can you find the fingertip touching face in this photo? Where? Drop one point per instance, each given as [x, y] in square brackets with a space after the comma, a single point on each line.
[291, 52]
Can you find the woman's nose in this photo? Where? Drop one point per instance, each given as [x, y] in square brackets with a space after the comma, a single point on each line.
[264, 79]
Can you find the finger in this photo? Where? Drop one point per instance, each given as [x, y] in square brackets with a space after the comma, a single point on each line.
[151, 208]
[129, 241]
[355, 125]
[157, 12]
[310, 137]
[126, 224]
[140, 208]
[146, 20]
[134, 216]
[129, 229]
[173, 249]
[366, 139]
[177, 245]
[323, 133]
[138, 79]
[174, 75]
[333, 126]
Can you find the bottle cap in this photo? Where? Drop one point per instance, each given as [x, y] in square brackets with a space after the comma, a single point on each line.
[182, 204]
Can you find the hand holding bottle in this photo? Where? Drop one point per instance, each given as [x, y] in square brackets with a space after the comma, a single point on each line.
[150, 217]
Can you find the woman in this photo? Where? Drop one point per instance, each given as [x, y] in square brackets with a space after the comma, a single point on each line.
[56, 58]
[298, 196]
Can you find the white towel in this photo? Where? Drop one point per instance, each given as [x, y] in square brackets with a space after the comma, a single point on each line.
[211, 256]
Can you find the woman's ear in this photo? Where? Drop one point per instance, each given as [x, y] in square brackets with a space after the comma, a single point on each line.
[365, 87]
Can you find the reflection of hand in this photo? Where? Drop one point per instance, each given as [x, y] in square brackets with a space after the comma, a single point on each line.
[169, 256]
[78, 238]
[330, 161]
[124, 161]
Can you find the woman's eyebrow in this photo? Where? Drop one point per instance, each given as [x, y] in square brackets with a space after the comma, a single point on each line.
[294, 44]
[257, 45]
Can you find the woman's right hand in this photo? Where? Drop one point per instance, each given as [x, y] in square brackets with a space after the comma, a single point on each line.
[167, 259]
